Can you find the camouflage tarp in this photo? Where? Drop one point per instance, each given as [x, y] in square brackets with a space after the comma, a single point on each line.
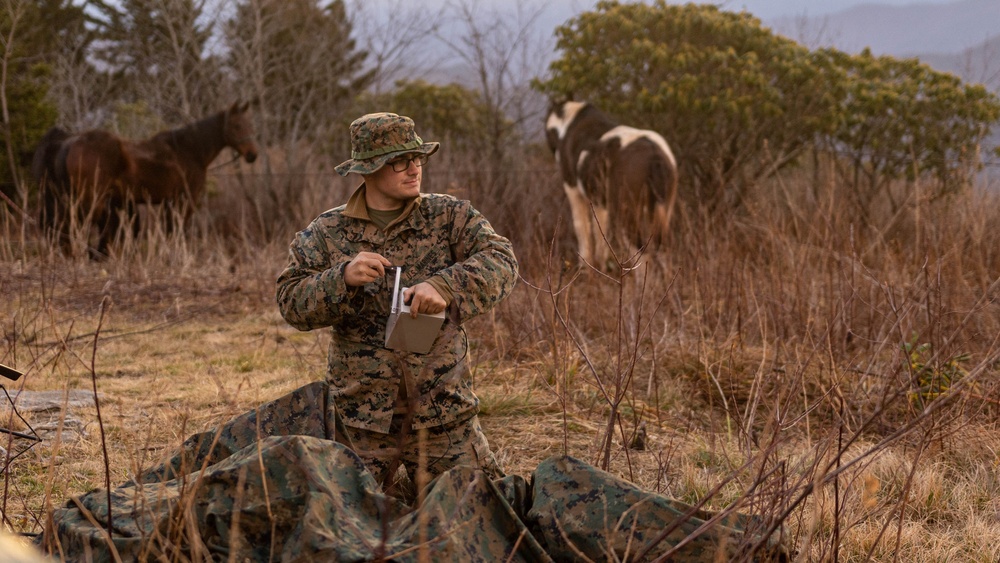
[271, 486]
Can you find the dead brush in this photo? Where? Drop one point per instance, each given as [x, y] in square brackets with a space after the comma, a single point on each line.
[771, 359]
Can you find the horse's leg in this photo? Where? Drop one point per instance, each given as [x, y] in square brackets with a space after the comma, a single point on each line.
[656, 243]
[67, 216]
[47, 215]
[601, 238]
[661, 196]
[661, 223]
[56, 208]
[79, 213]
[108, 218]
[136, 216]
[602, 199]
[52, 220]
[172, 217]
[579, 206]
[178, 214]
[108, 222]
[62, 220]
[130, 207]
[120, 213]
[183, 215]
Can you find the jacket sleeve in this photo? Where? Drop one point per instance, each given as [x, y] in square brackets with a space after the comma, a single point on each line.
[485, 270]
[311, 292]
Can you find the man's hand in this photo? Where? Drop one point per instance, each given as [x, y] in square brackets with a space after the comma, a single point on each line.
[366, 267]
[423, 298]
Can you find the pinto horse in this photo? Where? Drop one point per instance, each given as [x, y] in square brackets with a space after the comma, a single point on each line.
[100, 176]
[621, 182]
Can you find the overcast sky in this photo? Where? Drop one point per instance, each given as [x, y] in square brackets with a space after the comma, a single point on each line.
[762, 8]
[555, 12]
[882, 35]
[774, 8]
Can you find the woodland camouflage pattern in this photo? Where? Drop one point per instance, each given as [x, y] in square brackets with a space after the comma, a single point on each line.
[440, 447]
[273, 485]
[443, 237]
[377, 137]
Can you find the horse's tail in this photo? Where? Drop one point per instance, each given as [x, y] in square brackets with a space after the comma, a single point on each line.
[48, 169]
[43, 163]
[662, 186]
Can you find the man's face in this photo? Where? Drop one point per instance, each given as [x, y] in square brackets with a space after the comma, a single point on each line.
[387, 189]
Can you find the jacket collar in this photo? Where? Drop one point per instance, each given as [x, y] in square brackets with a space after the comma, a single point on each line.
[356, 208]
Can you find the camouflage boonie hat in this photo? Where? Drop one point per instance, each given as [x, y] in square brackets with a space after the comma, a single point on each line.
[378, 137]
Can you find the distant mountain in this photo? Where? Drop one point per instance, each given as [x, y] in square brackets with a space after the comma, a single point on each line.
[962, 37]
[980, 63]
[898, 30]
[766, 9]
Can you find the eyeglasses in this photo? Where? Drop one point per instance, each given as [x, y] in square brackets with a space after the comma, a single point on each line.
[401, 164]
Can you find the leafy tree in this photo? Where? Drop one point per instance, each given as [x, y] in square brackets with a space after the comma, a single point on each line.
[735, 101]
[30, 33]
[49, 26]
[451, 114]
[900, 119]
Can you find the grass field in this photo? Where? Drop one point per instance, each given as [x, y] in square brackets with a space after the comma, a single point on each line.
[835, 377]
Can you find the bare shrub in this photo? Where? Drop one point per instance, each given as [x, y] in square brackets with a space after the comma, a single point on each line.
[790, 360]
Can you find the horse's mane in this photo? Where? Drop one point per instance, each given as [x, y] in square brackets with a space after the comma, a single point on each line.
[196, 137]
[593, 117]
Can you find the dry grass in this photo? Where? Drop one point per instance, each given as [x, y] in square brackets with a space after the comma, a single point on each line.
[837, 377]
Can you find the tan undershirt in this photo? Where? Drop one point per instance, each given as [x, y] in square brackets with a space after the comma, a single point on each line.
[382, 218]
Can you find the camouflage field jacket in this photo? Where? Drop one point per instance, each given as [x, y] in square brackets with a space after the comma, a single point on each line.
[442, 236]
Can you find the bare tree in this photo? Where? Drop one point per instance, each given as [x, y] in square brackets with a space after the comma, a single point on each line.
[81, 93]
[299, 61]
[398, 36]
[501, 49]
[982, 64]
[13, 11]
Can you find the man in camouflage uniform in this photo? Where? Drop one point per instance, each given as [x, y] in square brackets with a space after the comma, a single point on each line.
[398, 407]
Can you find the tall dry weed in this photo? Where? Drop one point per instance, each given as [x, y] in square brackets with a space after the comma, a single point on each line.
[834, 376]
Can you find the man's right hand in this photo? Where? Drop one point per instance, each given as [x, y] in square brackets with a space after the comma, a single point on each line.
[366, 267]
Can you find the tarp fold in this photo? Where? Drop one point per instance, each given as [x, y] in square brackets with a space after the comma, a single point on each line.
[274, 485]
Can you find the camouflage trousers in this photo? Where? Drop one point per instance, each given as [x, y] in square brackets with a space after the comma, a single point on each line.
[424, 453]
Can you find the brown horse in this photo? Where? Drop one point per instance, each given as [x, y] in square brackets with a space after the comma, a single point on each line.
[100, 176]
[621, 182]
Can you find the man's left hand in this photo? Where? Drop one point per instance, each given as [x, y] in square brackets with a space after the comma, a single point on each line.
[423, 298]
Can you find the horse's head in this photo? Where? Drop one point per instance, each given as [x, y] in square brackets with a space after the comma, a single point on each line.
[561, 115]
[238, 131]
